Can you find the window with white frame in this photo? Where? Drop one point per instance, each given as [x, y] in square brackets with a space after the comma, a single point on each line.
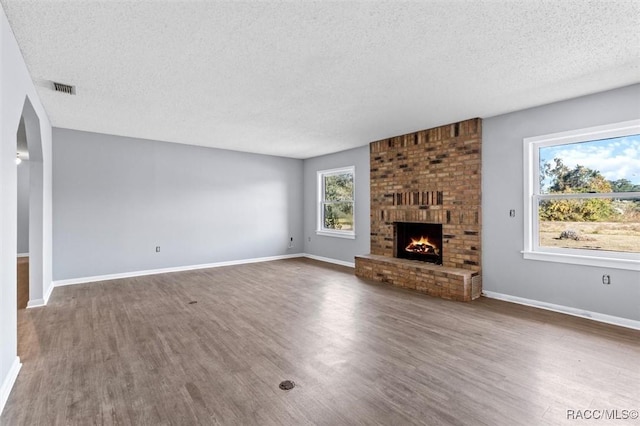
[582, 196]
[336, 202]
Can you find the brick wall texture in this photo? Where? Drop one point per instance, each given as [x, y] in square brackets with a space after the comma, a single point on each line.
[431, 176]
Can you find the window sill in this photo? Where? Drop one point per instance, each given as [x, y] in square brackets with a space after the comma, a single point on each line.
[601, 262]
[337, 234]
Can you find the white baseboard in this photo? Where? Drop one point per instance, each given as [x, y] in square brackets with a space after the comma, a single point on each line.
[97, 278]
[7, 383]
[47, 293]
[609, 319]
[329, 260]
[23, 255]
[36, 303]
[83, 280]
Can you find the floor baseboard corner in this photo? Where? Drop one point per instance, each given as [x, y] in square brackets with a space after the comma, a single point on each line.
[568, 310]
[36, 303]
[140, 273]
[8, 382]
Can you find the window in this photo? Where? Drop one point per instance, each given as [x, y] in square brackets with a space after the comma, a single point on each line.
[582, 196]
[336, 202]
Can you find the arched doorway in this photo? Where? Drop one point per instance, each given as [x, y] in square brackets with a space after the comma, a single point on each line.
[29, 131]
[22, 171]
[30, 277]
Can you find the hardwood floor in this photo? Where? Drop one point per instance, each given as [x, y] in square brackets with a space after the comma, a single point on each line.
[23, 281]
[138, 351]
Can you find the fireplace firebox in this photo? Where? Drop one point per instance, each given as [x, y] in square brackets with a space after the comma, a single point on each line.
[419, 241]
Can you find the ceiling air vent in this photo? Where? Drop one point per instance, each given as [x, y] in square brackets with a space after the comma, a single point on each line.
[64, 88]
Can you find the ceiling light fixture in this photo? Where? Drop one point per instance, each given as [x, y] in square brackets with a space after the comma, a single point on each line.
[18, 159]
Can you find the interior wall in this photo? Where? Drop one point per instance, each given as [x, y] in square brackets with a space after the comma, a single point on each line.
[341, 249]
[504, 269]
[36, 207]
[23, 191]
[16, 90]
[23, 207]
[116, 199]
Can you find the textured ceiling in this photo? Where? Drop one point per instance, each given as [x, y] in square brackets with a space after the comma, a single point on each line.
[301, 79]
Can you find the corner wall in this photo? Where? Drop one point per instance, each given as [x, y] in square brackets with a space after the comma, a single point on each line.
[15, 87]
[117, 198]
[23, 207]
[505, 272]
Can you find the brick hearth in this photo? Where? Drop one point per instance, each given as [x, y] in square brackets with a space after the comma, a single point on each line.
[434, 280]
[431, 176]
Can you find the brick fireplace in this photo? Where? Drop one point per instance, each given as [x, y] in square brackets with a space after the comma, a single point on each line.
[418, 241]
[430, 177]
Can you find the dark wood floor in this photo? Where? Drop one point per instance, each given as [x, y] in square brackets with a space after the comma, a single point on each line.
[22, 275]
[139, 351]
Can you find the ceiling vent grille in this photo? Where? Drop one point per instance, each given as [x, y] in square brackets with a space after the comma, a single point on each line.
[64, 88]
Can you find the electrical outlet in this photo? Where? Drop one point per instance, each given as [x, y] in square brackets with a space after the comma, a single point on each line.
[606, 280]
[157, 249]
[512, 213]
[291, 242]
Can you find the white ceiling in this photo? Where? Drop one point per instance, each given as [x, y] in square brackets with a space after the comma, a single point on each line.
[301, 79]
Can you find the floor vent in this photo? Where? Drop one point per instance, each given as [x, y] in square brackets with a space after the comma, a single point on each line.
[64, 88]
[287, 385]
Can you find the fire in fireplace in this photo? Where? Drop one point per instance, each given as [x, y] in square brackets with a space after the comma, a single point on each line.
[419, 241]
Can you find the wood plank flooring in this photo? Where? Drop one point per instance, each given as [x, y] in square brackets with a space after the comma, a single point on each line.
[138, 352]
[23, 281]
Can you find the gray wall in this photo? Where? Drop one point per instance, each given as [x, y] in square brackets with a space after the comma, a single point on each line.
[23, 207]
[504, 269]
[115, 199]
[331, 247]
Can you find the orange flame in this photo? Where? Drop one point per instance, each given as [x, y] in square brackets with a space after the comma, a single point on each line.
[421, 241]
[423, 245]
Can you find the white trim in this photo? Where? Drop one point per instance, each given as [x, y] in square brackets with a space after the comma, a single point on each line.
[631, 263]
[8, 382]
[595, 316]
[47, 294]
[606, 131]
[320, 230]
[82, 280]
[532, 250]
[23, 255]
[337, 170]
[97, 278]
[35, 303]
[337, 234]
[589, 195]
[531, 173]
[329, 260]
